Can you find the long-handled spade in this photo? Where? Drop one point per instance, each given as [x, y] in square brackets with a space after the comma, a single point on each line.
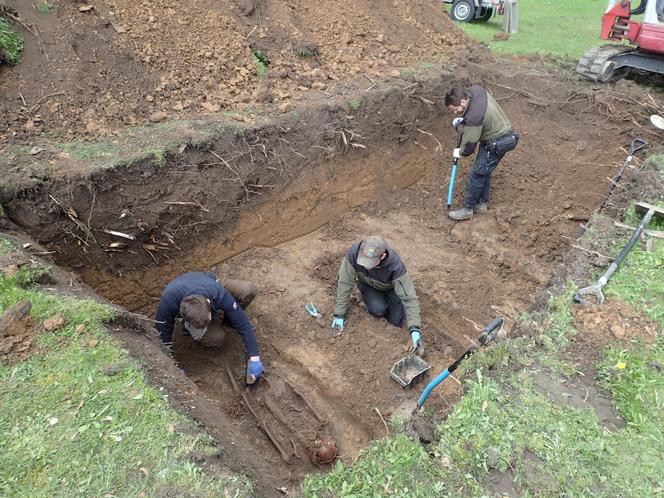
[595, 290]
[488, 334]
[636, 145]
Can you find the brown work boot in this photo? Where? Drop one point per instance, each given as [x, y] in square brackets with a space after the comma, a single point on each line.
[461, 214]
[481, 208]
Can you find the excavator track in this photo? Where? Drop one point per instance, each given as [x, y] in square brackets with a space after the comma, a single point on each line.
[592, 64]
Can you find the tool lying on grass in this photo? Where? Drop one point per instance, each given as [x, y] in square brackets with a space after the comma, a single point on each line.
[450, 190]
[595, 290]
[488, 334]
[636, 145]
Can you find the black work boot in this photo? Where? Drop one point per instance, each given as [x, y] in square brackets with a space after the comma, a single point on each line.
[461, 214]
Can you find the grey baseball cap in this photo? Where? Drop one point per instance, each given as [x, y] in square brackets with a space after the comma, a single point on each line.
[371, 249]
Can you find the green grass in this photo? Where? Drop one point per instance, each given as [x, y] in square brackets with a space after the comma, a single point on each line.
[135, 144]
[11, 44]
[6, 246]
[407, 72]
[159, 157]
[355, 104]
[634, 218]
[637, 386]
[564, 28]
[655, 161]
[261, 63]
[640, 281]
[68, 429]
[551, 448]
[393, 467]
[44, 7]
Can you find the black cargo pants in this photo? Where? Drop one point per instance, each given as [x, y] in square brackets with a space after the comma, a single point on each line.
[478, 183]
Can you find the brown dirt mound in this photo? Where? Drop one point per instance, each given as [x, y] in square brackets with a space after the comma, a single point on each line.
[90, 71]
[17, 331]
[616, 320]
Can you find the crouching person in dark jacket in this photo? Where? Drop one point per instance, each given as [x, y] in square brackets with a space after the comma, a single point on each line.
[205, 306]
[386, 287]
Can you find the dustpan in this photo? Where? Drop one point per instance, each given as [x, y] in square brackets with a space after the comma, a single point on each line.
[409, 370]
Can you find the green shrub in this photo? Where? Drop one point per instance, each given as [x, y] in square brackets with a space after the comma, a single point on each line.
[261, 61]
[44, 7]
[11, 44]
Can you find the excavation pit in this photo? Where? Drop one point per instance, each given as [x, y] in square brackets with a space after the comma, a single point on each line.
[279, 205]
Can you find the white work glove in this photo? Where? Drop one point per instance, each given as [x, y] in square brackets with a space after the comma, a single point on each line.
[457, 153]
[456, 122]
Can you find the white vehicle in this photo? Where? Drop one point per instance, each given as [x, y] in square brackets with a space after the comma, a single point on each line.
[474, 10]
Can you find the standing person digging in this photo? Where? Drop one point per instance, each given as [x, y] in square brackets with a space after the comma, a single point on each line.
[386, 287]
[481, 120]
[205, 307]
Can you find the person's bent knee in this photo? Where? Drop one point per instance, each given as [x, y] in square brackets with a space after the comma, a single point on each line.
[377, 310]
[242, 291]
[248, 295]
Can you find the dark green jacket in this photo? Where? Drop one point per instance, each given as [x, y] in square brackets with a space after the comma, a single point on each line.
[390, 274]
[483, 120]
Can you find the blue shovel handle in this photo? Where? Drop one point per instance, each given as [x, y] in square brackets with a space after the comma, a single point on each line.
[450, 190]
[488, 334]
[431, 386]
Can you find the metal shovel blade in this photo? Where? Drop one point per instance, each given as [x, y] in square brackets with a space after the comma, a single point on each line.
[593, 290]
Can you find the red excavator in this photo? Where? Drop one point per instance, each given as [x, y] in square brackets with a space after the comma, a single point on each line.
[646, 52]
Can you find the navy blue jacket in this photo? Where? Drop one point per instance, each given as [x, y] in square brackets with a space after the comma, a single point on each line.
[206, 285]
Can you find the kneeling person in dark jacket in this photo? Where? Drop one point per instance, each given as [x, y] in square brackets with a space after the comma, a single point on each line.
[385, 284]
[204, 304]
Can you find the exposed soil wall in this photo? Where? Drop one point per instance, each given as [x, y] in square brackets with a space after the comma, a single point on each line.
[314, 160]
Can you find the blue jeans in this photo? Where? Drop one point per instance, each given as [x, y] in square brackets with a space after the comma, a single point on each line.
[383, 304]
[478, 183]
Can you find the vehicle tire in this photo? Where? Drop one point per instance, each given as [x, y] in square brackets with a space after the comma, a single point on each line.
[463, 10]
[485, 14]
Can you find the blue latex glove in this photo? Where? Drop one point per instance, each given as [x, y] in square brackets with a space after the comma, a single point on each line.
[338, 323]
[456, 122]
[254, 370]
[418, 345]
